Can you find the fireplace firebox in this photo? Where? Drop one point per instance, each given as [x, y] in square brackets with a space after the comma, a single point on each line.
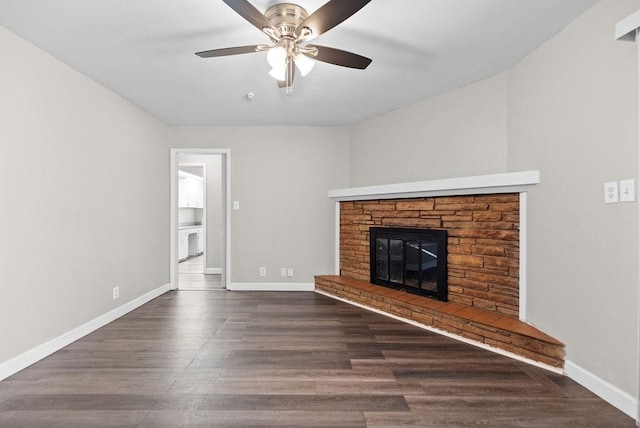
[410, 259]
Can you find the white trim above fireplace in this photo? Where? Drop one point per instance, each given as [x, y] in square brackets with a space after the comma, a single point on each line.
[509, 182]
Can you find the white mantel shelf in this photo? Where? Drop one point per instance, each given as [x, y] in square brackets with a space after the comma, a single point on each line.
[510, 182]
[626, 29]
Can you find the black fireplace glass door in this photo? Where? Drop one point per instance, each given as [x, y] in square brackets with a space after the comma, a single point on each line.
[396, 257]
[429, 266]
[382, 258]
[409, 259]
[412, 264]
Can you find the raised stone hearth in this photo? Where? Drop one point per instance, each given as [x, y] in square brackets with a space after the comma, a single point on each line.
[482, 326]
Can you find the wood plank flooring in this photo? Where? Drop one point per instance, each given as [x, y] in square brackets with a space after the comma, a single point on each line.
[245, 359]
[191, 276]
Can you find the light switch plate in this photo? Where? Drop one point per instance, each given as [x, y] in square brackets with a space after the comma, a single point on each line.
[611, 192]
[236, 205]
[627, 190]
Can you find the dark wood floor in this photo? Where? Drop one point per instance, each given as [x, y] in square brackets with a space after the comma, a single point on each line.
[219, 358]
[191, 276]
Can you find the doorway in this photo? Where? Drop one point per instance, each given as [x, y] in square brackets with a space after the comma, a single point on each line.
[199, 182]
[199, 219]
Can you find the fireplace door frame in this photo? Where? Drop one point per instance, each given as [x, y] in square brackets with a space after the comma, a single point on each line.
[411, 235]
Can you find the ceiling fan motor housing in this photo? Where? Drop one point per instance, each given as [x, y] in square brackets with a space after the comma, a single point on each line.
[286, 17]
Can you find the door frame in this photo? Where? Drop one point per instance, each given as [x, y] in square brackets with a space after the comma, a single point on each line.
[226, 199]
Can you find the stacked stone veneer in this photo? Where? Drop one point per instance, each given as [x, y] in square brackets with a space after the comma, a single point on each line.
[483, 243]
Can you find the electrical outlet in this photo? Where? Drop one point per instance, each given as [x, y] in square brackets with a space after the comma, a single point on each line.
[116, 292]
[627, 190]
[290, 272]
[263, 271]
[283, 271]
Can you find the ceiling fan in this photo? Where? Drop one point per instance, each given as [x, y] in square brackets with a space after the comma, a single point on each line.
[290, 27]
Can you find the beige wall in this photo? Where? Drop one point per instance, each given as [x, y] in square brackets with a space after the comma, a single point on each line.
[281, 177]
[572, 115]
[457, 134]
[84, 182]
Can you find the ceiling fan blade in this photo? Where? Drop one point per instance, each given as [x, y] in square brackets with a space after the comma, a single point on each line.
[290, 74]
[228, 51]
[340, 57]
[328, 16]
[251, 14]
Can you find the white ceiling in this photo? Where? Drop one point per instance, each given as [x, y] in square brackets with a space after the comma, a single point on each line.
[144, 51]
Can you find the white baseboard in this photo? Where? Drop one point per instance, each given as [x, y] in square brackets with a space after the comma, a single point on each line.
[270, 286]
[608, 392]
[213, 271]
[34, 355]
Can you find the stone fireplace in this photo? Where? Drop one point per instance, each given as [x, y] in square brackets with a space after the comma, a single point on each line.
[482, 242]
[483, 219]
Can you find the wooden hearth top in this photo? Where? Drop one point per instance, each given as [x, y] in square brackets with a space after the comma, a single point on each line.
[469, 313]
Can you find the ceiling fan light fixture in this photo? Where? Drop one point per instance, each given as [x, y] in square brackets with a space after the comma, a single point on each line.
[277, 56]
[304, 63]
[279, 72]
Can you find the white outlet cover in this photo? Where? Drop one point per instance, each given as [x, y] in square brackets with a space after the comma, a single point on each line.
[627, 190]
[283, 271]
[611, 192]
